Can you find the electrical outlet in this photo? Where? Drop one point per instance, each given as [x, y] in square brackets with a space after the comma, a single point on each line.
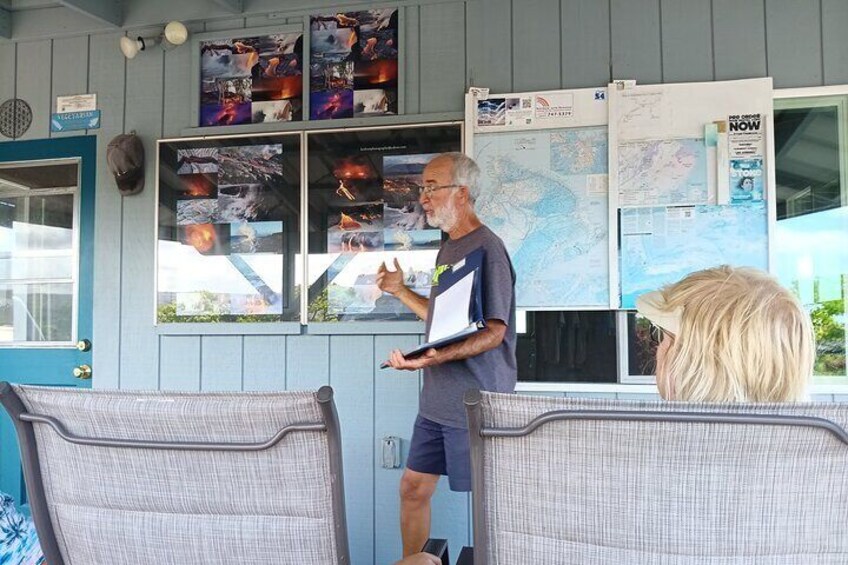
[391, 452]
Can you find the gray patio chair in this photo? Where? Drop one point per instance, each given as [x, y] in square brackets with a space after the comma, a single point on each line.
[125, 478]
[559, 480]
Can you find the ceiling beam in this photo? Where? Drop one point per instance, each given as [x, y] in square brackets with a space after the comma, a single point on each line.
[234, 6]
[5, 24]
[108, 11]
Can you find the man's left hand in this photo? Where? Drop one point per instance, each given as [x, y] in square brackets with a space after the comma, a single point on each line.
[398, 361]
[420, 559]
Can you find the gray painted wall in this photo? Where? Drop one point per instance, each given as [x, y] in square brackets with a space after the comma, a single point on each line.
[506, 45]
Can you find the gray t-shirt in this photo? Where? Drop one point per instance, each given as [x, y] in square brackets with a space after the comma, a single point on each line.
[494, 370]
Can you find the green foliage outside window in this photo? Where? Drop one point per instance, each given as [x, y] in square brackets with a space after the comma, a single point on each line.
[167, 313]
[830, 337]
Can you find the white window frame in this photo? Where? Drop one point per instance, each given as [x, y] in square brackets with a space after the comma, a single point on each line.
[828, 384]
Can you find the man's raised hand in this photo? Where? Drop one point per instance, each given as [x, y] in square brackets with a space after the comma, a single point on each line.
[390, 281]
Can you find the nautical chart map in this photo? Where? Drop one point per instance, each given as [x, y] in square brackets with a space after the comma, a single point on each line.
[662, 172]
[545, 193]
[662, 245]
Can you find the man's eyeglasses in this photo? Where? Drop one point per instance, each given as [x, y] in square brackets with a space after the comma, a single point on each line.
[428, 189]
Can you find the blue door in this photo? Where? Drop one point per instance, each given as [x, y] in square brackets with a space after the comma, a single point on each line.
[46, 255]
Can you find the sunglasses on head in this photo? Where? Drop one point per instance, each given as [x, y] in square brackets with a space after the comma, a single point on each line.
[656, 334]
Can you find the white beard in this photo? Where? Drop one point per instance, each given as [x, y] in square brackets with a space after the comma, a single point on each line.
[444, 219]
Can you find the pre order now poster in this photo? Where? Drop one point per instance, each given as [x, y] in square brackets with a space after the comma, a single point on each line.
[353, 68]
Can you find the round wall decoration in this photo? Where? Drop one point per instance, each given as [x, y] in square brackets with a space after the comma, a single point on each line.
[15, 118]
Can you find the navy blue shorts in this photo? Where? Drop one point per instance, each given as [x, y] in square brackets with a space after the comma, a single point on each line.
[441, 450]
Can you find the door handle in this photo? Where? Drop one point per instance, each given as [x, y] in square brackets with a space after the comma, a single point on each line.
[84, 345]
[82, 372]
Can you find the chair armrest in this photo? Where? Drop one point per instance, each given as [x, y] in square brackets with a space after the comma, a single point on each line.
[439, 548]
[466, 556]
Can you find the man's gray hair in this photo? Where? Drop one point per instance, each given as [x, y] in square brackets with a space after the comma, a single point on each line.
[466, 172]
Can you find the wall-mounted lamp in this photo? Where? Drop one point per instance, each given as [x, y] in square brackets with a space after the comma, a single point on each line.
[131, 47]
[174, 34]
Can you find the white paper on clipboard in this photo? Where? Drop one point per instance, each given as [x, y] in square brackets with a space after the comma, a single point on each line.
[450, 309]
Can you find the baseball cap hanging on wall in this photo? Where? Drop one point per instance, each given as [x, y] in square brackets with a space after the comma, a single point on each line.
[15, 118]
[125, 158]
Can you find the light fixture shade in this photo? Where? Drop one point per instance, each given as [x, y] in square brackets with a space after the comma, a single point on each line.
[176, 33]
[130, 47]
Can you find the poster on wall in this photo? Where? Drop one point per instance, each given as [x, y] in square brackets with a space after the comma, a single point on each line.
[689, 167]
[684, 239]
[497, 112]
[544, 191]
[746, 150]
[251, 79]
[353, 68]
[364, 210]
[228, 229]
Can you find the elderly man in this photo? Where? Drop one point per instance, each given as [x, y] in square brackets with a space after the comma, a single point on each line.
[486, 360]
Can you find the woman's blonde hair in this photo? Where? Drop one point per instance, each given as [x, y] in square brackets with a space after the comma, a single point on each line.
[742, 338]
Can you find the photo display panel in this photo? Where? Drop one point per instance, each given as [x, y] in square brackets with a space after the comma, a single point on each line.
[353, 70]
[363, 210]
[251, 79]
[228, 228]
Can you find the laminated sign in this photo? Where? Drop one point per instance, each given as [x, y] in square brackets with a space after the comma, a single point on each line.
[71, 121]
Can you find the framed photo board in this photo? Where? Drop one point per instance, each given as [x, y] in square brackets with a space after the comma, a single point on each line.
[228, 227]
[248, 76]
[353, 71]
[363, 209]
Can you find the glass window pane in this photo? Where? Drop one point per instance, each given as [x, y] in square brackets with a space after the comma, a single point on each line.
[36, 237]
[807, 160]
[229, 245]
[811, 234]
[641, 351]
[36, 313]
[812, 260]
[37, 262]
[363, 210]
[568, 347]
[38, 175]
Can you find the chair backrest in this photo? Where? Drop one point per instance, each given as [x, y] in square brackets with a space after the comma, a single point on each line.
[156, 477]
[560, 480]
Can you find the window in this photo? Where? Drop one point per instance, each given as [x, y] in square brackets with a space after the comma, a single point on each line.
[38, 243]
[641, 350]
[810, 238]
[570, 346]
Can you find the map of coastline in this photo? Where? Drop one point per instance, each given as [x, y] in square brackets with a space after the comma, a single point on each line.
[661, 245]
[662, 172]
[545, 194]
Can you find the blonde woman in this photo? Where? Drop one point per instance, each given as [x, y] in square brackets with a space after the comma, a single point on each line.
[730, 335]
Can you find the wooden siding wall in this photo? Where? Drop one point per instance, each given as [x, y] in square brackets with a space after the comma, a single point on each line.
[506, 45]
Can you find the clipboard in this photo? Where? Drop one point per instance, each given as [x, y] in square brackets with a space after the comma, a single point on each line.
[464, 282]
